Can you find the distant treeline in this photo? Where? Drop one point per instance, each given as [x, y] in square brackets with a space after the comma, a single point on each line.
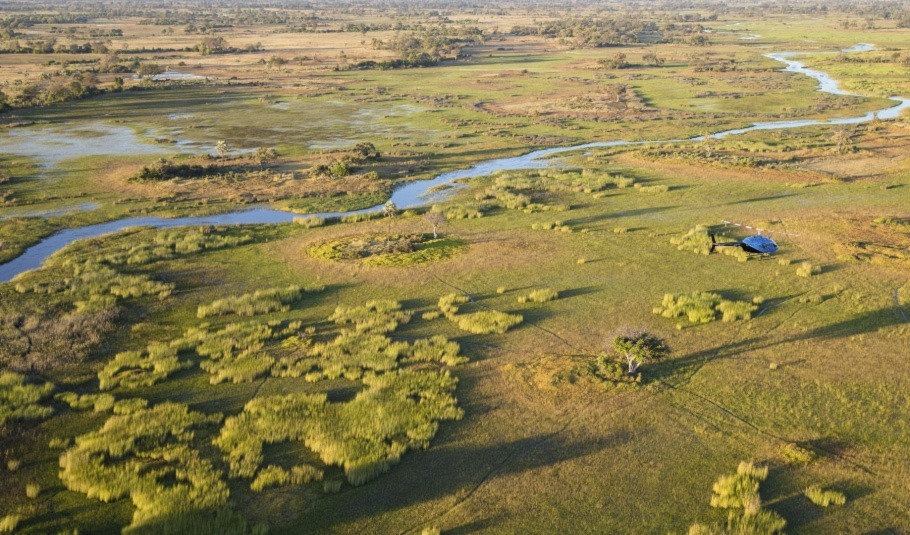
[426, 47]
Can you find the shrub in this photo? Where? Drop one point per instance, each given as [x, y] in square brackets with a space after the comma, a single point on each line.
[310, 221]
[761, 522]
[449, 304]
[349, 355]
[113, 462]
[130, 405]
[232, 353]
[807, 269]
[379, 316]
[696, 240]
[703, 307]
[542, 296]
[13, 464]
[396, 411]
[20, 400]
[436, 349]
[501, 290]
[96, 402]
[794, 453]
[258, 302]
[32, 490]
[663, 188]
[275, 476]
[487, 322]
[739, 490]
[9, 523]
[57, 443]
[824, 498]
[170, 243]
[431, 315]
[134, 369]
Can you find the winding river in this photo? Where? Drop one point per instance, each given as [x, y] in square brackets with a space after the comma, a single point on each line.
[426, 191]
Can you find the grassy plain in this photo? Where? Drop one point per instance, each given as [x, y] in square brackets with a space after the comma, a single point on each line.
[543, 444]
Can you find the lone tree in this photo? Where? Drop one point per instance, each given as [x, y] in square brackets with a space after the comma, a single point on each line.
[653, 59]
[435, 219]
[389, 210]
[264, 155]
[638, 346]
[843, 140]
[222, 148]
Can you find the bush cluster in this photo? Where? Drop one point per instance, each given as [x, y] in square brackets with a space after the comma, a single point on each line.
[148, 456]
[824, 498]
[740, 491]
[348, 434]
[808, 269]
[20, 400]
[258, 302]
[144, 367]
[703, 307]
[378, 316]
[542, 295]
[483, 322]
[170, 243]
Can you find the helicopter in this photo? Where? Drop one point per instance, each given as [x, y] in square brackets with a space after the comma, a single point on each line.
[756, 244]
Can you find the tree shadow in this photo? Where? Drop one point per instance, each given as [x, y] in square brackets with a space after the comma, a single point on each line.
[575, 292]
[446, 471]
[761, 199]
[615, 215]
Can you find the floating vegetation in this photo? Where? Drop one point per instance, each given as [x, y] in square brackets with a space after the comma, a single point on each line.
[258, 302]
[703, 307]
[21, 401]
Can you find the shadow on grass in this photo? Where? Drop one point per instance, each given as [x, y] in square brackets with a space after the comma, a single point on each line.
[438, 473]
[575, 292]
[615, 215]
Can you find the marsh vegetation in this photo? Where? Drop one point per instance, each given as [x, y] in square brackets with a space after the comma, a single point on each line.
[461, 365]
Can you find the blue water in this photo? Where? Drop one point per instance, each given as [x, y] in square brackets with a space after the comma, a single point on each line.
[423, 192]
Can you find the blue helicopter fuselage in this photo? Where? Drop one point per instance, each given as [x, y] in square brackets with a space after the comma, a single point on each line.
[759, 244]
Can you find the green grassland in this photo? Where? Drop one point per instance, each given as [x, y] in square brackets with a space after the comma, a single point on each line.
[364, 376]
